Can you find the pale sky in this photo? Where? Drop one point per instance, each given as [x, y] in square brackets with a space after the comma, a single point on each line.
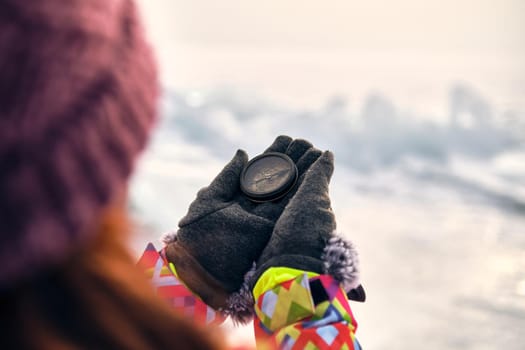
[305, 50]
[442, 24]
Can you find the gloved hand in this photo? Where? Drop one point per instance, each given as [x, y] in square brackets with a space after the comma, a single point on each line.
[303, 237]
[224, 232]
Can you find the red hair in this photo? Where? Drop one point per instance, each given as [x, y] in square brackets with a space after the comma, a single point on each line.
[97, 299]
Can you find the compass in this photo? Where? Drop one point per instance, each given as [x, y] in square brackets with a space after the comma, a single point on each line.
[268, 177]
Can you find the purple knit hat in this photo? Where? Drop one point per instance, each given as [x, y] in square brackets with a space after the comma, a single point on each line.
[78, 92]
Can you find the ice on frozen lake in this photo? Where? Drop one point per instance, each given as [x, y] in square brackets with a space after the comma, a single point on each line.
[435, 206]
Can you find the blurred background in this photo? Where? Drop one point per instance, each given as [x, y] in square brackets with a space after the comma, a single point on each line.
[423, 104]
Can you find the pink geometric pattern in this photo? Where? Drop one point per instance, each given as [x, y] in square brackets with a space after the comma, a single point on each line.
[171, 289]
[330, 325]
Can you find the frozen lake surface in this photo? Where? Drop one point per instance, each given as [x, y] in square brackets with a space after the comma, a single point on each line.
[435, 206]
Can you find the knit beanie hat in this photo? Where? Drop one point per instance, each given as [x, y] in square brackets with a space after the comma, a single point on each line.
[77, 101]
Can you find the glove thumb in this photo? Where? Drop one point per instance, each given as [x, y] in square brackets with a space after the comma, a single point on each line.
[227, 183]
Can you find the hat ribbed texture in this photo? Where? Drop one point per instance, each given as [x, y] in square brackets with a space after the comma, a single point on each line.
[77, 101]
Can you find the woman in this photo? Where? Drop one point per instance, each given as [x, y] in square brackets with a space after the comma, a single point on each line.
[78, 91]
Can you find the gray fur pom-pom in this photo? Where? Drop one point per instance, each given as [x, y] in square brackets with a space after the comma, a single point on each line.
[341, 261]
[169, 237]
[240, 305]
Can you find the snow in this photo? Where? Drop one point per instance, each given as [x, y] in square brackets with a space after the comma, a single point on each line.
[435, 207]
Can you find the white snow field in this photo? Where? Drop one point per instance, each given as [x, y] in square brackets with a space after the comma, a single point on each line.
[436, 206]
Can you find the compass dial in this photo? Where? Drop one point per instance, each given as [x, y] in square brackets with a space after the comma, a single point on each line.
[268, 176]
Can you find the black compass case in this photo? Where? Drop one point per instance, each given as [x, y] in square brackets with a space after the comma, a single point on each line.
[268, 177]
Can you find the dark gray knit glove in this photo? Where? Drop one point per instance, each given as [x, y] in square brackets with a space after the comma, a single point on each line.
[224, 232]
[303, 238]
